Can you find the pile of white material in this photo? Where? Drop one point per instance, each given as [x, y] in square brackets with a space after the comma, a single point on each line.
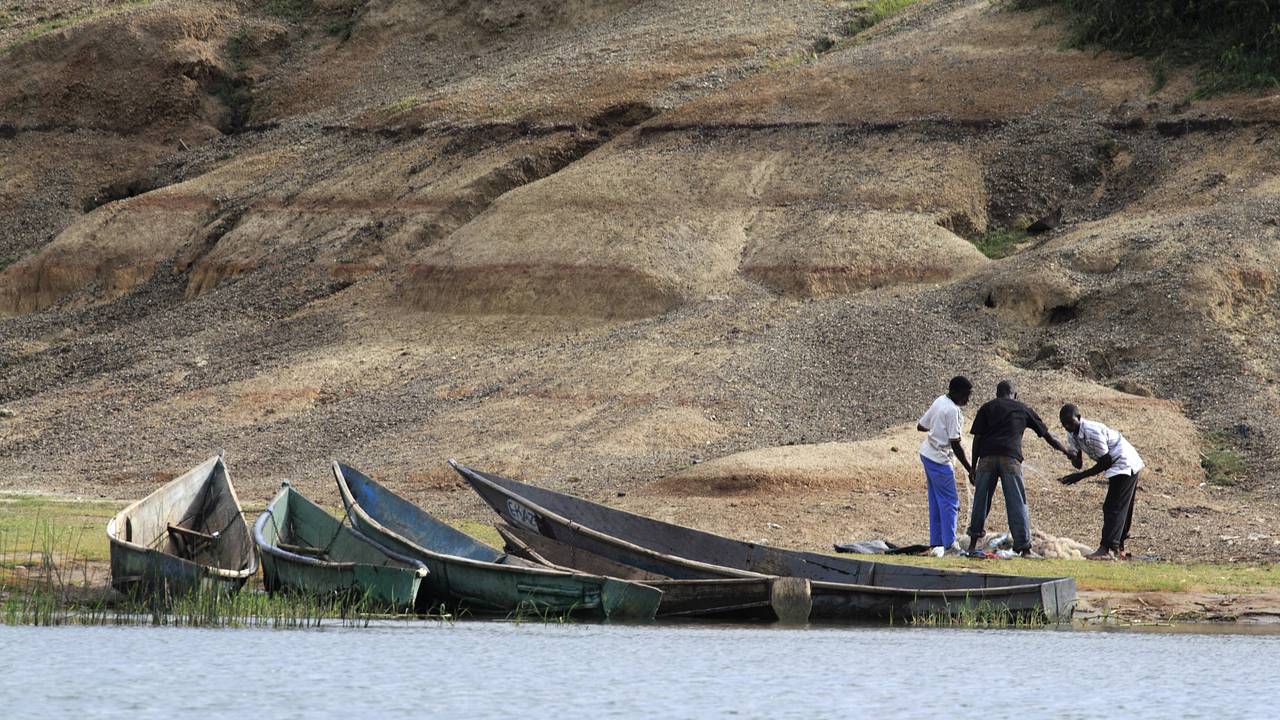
[1042, 544]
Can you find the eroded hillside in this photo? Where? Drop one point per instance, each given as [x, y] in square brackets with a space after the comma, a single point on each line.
[602, 244]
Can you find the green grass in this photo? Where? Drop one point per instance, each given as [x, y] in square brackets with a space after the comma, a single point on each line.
[484, 532]
[235, 49]
[1233, 44]
[881, 10]
[403, 105]
[1134, 576]
[292, 10]
[1000, 242]
[984, 615]
[1222, 462]
[73, 522]
[873, 12]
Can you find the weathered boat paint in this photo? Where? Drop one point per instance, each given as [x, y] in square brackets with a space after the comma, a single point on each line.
[841, 588]
[466, 573]
[188, 536]
[307, 550]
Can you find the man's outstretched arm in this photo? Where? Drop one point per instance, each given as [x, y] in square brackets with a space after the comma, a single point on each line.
[1103, 463]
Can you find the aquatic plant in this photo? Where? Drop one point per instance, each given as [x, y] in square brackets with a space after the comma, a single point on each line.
[980, 615]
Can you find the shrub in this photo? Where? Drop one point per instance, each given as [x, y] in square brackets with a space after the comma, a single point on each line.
[1234, 43]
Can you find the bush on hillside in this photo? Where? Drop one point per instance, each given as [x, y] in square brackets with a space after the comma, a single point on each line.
[1235, 43]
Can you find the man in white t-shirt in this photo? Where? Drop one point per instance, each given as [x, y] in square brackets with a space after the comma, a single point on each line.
[1119, 462]
[944, 423]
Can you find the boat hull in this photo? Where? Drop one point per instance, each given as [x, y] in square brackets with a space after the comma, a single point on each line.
[305, 550]
[466, 574]
[841, 588]
[189, 536]
[737, 598]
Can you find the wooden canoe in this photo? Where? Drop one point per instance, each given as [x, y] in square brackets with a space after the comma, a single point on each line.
[185, 537]
[743, 598]
[468, 575]
[307, 550]
[841, 588]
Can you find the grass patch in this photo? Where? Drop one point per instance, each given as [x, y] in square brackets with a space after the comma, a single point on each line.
[874, 12]
[82, 523]
[1134, 576]
[484, 532]
[982, 615]
[1000, 242]
[881, 10]
[1223, 464]
[403, 105]
[235, 49]
[291, 10]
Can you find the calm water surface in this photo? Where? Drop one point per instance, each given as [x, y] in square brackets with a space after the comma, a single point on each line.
[478, 670]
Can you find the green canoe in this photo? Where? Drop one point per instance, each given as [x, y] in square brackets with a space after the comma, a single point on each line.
[467, 574]
[305, 549]
[185, 537]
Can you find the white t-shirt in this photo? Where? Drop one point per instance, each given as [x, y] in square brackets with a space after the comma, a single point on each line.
[944, 422]
[1095, 440]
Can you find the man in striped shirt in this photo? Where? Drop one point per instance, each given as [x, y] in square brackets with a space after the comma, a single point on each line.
[1114, 457]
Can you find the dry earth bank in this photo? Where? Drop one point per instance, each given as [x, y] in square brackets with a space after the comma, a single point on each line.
[601, 244]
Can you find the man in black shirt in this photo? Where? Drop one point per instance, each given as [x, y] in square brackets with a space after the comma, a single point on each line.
[997, 452]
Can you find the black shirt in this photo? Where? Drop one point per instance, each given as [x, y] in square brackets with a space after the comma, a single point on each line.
[999, 425]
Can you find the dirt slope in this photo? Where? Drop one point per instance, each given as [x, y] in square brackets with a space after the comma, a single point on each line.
[600, 244]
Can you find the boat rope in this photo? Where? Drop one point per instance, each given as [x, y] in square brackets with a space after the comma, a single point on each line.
[346, 516]
[279, 535]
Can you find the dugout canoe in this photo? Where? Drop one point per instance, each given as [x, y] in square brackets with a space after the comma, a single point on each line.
[743, 598]
[187, 536]
[841, 588]
[306, 550]
[468, 575]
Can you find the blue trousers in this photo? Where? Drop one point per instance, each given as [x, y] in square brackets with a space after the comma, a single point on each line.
[944, 505]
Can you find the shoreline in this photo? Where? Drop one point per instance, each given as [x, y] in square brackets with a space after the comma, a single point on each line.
[43, 536]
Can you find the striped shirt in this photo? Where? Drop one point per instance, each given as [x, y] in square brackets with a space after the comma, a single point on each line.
[1095, 440]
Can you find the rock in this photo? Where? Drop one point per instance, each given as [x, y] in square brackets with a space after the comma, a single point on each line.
[7, 413]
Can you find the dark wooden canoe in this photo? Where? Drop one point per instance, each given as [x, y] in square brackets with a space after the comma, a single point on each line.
[307, 550]
[745, 598]
[467, 574]
[842, 588]
[186, 536]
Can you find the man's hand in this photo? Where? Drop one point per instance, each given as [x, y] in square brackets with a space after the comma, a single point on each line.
[971, 480]
[1071, 479]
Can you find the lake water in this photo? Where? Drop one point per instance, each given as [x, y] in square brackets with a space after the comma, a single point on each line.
[475, 670]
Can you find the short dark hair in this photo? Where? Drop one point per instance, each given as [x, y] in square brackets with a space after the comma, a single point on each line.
[1068, 412]
[1004, 389]
[959, 385]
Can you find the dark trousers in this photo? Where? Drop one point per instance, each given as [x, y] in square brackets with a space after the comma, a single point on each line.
[1008, 472]
[1117, 510]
